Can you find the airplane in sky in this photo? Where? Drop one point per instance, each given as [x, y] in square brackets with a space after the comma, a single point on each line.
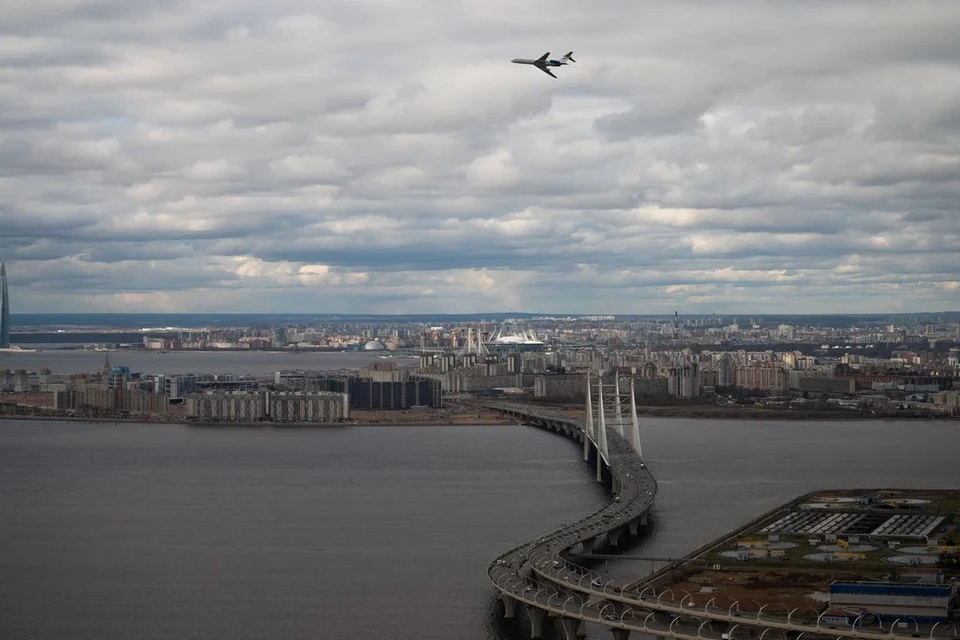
[542, 63]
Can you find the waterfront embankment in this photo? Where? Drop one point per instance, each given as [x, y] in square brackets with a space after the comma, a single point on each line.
[359, 418]
[425, 419]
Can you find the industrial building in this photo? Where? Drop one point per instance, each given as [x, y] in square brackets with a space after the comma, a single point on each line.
[891, 601]
[866, 525]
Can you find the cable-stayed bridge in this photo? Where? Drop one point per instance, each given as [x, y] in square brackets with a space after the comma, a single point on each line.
[540, 575]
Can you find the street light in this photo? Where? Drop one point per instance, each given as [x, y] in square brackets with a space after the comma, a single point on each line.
[820, 616]
[853, 625]
[705, 623]
[662, 593]
[916, 627]
[649, 615]
[736, 603]
[673, 622]
[706, 607]
[604, 608]
[607, 584]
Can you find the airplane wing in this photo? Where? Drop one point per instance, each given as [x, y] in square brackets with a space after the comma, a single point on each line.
[543, 57]
[545, 70]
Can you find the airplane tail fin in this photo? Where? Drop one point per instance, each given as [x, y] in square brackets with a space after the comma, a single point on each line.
[569, 57]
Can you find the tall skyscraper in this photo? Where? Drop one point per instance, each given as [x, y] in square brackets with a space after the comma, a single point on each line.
[4, 309]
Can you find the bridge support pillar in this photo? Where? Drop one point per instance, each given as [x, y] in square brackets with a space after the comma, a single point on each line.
[620, 634]
[536, 615]
[613, 537]
[509, 606]
[573, 628]
[599, 543]
[634, 526]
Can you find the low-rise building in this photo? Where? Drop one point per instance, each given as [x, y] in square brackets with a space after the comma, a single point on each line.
[560, 386]
[226, 406]
[844, 386]
[891, 601]
[317, 407]
[767, 378]
[260, 406]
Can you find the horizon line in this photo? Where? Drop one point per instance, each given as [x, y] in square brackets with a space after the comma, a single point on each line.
[472, 313]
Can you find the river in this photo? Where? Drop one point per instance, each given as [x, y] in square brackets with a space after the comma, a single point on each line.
[159, 532]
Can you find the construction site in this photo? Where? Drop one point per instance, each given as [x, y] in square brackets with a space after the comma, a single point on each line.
[835, 557]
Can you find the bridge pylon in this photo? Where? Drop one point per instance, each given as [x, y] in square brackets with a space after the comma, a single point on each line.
[634, 438]
[589, 431]
[614, 407]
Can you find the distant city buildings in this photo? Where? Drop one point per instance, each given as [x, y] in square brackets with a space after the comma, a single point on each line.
[897, 365]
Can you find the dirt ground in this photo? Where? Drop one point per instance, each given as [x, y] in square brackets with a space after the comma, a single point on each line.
[778, 589]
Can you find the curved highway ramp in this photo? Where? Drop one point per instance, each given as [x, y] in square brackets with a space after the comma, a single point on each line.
[538, 575]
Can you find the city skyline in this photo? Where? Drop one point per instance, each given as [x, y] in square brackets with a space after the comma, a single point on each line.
[388, 158]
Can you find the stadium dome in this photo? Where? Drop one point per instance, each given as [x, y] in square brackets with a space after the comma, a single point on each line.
[514, 340]
[523, 341]
[373, 345]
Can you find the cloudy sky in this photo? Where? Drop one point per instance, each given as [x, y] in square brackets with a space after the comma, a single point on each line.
[384, 156]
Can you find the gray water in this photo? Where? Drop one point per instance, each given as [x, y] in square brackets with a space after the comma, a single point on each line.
[161, 532]
[258, 363]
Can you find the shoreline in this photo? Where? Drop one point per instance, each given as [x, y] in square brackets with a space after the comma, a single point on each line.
[281, 425]
[486, 422]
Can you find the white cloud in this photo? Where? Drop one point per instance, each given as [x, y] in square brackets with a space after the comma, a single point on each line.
[387, 156]
[214, 170]
[494, 170]
[306, 167]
